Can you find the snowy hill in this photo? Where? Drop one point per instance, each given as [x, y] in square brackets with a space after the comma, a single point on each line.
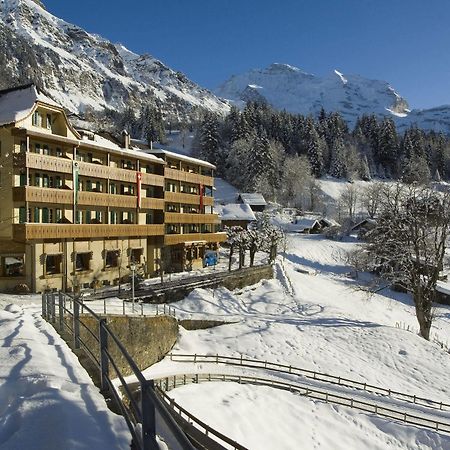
[289, 88]
[83, 71]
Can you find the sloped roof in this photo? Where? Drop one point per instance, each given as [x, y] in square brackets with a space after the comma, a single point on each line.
[17, 103]
[253, 199]
[235, 211]
[181, 156]
[303, 223]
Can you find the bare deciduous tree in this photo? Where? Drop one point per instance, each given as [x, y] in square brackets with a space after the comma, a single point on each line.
[407, 247]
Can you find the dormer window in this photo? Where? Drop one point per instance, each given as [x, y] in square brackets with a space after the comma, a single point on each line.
[37, 119]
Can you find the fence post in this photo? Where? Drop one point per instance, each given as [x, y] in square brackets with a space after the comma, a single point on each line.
[44, 305]
[104, 365]
[61, 311]
[76, 323]
[148, 416]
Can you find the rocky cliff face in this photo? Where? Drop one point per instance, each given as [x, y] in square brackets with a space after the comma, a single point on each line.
[86, 73]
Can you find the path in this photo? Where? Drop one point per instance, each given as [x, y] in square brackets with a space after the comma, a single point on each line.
[47, 400]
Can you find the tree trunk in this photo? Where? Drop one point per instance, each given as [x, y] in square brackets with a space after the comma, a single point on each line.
[229, 260]
[424, 317]
[252, 256]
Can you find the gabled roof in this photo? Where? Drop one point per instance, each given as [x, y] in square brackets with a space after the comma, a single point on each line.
[235, 211]
[17, 103]
[303, 223]
[253, 199]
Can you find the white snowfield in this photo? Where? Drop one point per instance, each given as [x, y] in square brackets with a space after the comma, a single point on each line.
[327, 326]
[47, 400]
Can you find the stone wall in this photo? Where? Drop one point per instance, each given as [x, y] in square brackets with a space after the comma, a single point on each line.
[247, 276]
[147, 339]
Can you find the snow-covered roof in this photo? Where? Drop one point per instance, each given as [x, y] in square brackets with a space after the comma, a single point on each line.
[102, 142]
[17, 103]
[235, 211]
[303, 223]
[366, 222]
[443, 287]
[253, 199]
[171, 154]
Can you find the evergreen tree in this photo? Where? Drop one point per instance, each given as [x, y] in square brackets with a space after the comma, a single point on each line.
[209, 138]
[338, 167]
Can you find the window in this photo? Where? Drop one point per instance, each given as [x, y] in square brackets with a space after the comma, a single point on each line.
[172, 229]
[53, 264]
[12, 266]
[45, 150]
[58, 152]
[113, 217]
[37, 215]
[45, 181]
[83, 261]
[23, 146]
[112, 258]
[37, 180]
[49, 121]
[37, 119]
[58, 182]
[37, 148]
[58, 215]
[88, 217]
[45, 215]
[22, 214]
[113, 188]
[149, 219]
[135, 255]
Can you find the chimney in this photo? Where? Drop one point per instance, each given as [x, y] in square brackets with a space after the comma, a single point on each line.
[126, 140]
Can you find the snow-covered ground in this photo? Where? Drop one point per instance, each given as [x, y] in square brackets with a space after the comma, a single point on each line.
[47, 399]
[326, 325]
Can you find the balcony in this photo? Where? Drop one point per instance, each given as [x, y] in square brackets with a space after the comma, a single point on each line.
[188, 177]
[173, 239]
[187, 199]
[65, 197]
[62, 165]
[190, 218]
[42, 195]
[30, 231]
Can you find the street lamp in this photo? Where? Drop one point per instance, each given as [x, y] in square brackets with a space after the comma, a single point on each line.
[133, 269]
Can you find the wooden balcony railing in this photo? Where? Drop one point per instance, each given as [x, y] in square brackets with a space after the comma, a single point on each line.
[30, 231]
[173, 239]
[190, 218]
[42, 195]
[187, 199]
[61, 196]
[188, 177]
[91, 170]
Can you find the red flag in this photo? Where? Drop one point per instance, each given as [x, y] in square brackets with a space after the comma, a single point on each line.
[138, 183]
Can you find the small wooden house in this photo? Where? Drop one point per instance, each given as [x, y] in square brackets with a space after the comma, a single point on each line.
[256, 201]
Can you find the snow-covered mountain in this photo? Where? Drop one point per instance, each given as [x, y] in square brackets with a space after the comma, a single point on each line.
[288, 88]
[83, 71]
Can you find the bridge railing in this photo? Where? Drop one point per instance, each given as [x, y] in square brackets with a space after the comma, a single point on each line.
[64, 312]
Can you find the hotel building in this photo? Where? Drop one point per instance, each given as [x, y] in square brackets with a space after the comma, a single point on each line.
[77, 209]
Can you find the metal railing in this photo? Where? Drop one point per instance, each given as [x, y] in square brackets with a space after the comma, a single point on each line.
[171, 382]
[140, 415]
[125, 307]
[311, 374]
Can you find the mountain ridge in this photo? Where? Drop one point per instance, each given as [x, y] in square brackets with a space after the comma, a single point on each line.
[87, 73]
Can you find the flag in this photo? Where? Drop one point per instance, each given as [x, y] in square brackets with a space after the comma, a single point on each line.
[138, 184]
[75, 174]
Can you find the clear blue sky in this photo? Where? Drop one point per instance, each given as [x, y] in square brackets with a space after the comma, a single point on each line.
[405, 42]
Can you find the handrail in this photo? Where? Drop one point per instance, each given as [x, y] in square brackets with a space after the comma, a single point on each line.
[140, 419]
[311, 374]
[383, 411]
[208, 430]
